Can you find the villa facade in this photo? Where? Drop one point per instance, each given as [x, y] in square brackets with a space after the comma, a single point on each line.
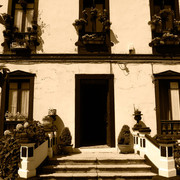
[93, 61]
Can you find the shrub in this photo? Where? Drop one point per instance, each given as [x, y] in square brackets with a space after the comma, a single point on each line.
[177, 157]
[124, 136]
[10, 147]
[33, 130]
[65, 137]
[9, 157]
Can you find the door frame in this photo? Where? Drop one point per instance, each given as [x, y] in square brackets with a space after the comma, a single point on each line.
[110, 79]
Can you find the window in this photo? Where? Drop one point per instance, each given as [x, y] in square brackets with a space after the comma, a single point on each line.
[17, 98]
[23, 15]
[21, 27]
[165, 25]
[167, 85]
[93, 27]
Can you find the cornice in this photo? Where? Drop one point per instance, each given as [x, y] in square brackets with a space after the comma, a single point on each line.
[92, 58]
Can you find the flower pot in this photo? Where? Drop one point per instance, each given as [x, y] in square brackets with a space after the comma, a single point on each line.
[125, 149]
[65, 149]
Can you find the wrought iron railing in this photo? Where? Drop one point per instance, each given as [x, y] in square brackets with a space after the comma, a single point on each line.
[170, 127]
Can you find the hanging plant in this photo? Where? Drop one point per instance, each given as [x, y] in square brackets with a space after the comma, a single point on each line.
[177, 24]
[156, 23]
[94, 12]
[164, 13]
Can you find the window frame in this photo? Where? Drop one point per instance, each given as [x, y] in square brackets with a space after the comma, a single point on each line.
[11, 7]
[94, 48]
[165, 49]
[15, 76]
[176, 8]
[168, 76]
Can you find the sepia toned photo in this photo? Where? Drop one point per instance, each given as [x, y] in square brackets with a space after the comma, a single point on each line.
[90, 89]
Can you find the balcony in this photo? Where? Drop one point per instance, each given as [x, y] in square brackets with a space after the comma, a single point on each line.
[19, 42]
[93, 29]
[171, 128]
[166, 32]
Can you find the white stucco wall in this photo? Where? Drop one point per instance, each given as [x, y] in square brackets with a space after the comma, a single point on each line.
[55, 19]
[129, 26]
[55, 88]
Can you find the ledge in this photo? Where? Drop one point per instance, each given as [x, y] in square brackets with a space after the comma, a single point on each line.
[153, 141]
[87, 58]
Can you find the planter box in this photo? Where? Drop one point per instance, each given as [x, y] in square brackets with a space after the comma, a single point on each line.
[93, 41]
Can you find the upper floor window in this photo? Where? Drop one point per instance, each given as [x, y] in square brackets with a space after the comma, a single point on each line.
[93, 27]
[165, 26]
[21, 29]
[23, 12]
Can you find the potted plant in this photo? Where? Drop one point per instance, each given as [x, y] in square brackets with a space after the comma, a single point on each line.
[124, 140]
[65, 146]
[20, 117]
[9, 116]
[156, 23]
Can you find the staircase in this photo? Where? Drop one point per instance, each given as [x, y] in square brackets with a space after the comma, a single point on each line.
[97, 166]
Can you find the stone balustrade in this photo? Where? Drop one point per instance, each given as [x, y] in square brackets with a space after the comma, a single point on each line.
[159, 153]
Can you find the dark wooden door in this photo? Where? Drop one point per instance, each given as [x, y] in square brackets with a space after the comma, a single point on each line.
[94, 111]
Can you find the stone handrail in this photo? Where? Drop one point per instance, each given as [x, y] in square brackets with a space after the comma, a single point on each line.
[160, 153]
[32, 157]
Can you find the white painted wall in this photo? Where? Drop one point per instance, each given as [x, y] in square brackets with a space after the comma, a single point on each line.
[129, 25]
[55, 88]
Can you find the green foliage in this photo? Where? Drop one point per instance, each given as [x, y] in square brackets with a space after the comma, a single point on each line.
[34, 132]
[10, 147]
[9, 157]
[124, 136]
[65, 137]
[177, 157]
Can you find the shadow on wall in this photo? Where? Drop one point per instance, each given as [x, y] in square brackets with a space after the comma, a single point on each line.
[113, 37]
[60, 125]
[41, 28]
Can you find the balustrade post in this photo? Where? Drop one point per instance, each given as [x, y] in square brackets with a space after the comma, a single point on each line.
[167, 163]
[27, 168]
[137, 116]
[142, 144]
[136, 141]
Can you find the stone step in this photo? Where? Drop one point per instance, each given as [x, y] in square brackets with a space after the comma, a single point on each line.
[99, 176]
[104, 158]
[96, 168]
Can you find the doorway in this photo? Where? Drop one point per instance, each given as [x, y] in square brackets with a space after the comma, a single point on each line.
[94, 124]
